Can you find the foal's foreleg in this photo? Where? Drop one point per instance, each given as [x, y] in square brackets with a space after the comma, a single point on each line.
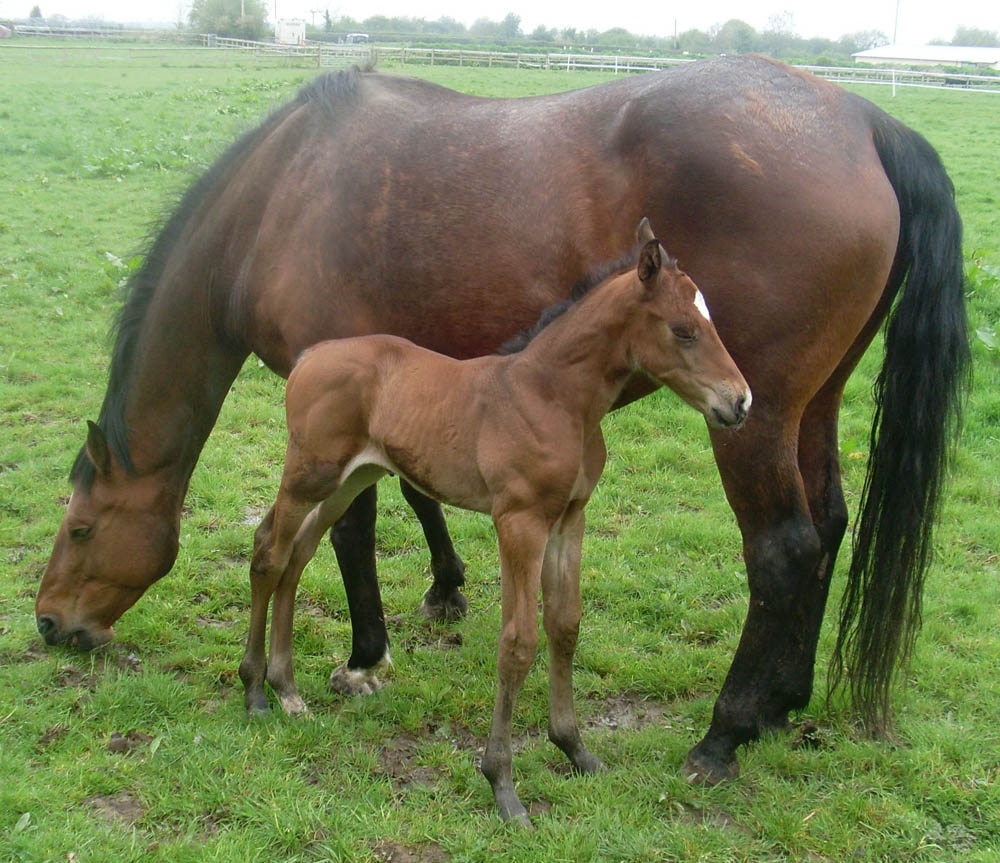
[562, 611]
[273, 543]
[522, 540]
[280, 669]
[444, 599]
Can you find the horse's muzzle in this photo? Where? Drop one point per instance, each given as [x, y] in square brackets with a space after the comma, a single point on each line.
[80, 638]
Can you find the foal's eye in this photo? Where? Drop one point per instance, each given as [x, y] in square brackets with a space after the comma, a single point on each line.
[80, 532]
[684, 334]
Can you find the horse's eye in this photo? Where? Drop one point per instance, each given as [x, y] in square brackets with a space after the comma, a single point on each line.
[684, 333]
[80, 532]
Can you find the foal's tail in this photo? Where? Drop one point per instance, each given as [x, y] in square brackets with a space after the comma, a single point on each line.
[918, 404]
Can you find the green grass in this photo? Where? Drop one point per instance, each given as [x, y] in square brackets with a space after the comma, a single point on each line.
[94, 147]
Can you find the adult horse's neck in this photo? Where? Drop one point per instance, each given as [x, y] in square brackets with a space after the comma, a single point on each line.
[182, 374]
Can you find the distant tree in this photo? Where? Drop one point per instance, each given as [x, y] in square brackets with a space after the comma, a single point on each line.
[694, 41]
[863, 40]
[542, 34]
[446, 25]
[779, 38]
[35, 12]
[616, 37]
[976, 38]
[223, 17]
[327, 21]
[485, 29]
[510, 27]
[735, 36]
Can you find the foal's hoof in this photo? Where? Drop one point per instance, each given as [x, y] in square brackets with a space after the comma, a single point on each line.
[703, 769]
[445, 608]
[587, 762]
[354, 681]
[256, 702]
[513, 812]
[293, 705]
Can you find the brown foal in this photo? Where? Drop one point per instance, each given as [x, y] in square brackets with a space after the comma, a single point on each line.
[516, 436]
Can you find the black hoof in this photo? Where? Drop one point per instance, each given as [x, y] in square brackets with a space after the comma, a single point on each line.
[444, 608]
[701, 768]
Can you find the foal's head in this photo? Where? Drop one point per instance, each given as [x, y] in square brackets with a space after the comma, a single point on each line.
[672, 338]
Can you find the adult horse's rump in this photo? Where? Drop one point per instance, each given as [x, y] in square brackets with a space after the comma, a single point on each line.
[381, 204]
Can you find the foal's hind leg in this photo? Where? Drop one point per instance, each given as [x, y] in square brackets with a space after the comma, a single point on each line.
[443, 600]
[561, 592]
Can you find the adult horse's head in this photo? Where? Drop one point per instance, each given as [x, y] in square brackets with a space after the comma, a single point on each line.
[675, 341]
[118, 537]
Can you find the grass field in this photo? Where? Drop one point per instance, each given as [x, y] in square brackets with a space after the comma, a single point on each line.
[142, 751]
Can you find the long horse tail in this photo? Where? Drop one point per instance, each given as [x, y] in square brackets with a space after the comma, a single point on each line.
[919, 396]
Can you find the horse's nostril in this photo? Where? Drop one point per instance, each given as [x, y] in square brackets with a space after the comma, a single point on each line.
[47, 626]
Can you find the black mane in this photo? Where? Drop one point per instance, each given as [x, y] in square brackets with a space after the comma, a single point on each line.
[326, 92]
[516, 344]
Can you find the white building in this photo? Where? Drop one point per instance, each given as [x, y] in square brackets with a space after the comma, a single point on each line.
[931, 55]
[290, 31]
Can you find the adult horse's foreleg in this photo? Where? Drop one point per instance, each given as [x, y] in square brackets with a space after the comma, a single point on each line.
[353, 538]
[444, 599]
[784, 556]
[522, 540]
[561, 616]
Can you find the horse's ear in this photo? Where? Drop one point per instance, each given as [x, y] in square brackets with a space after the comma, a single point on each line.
[97, 449]
[650, 260]
[644, 233]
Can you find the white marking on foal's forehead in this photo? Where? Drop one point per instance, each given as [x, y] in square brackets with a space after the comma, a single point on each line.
[701, 305]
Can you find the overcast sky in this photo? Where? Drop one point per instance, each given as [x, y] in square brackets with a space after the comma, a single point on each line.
[919, 20]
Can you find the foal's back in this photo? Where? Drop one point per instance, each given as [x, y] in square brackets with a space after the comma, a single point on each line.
[383, 400]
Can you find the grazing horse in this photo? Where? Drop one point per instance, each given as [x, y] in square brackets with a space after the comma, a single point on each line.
[516, 436]
[371, 203]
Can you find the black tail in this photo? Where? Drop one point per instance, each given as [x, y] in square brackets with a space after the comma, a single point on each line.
[918, 403]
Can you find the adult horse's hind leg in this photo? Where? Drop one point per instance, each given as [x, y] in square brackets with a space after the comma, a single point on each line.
[783, 552]
[444, 599]
[353, 539]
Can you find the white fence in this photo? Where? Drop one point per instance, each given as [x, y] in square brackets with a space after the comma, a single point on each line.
[326, 54]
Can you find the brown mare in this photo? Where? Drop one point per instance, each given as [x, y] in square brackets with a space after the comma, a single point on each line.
[374, 203]
[515, 436]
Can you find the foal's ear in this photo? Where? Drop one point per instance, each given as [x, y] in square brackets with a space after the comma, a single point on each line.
[650, 260]
[644, 233]
[97, 449]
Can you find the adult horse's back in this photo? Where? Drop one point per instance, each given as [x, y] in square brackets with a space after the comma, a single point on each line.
[380, 204]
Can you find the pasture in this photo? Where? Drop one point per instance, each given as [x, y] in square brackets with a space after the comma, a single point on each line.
[142, 750]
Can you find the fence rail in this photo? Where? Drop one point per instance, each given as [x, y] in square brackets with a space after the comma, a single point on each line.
[327, 54]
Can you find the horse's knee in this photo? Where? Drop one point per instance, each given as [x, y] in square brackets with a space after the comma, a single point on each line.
[518, 645]
[780, 560]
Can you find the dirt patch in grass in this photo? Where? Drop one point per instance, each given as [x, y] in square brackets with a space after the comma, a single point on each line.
[710, 816]
[396, 852]
[120, 809]
[51, 735]
[629, 712]
[808, 735]
[398, 759]
[432, 637]
[115, 656]
[126, 744]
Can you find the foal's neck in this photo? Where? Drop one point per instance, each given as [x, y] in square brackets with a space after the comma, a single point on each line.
[584, 353]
